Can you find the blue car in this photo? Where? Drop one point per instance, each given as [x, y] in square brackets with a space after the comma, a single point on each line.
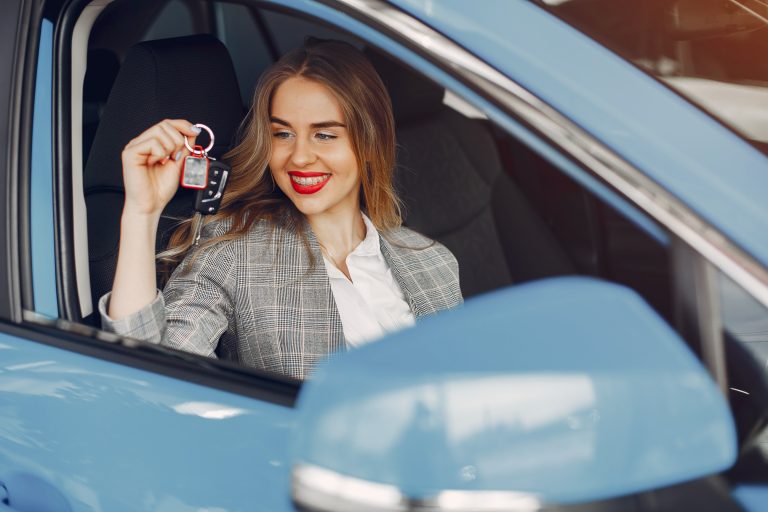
[599, 169]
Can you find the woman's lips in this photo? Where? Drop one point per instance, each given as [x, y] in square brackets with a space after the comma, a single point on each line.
[305, 182]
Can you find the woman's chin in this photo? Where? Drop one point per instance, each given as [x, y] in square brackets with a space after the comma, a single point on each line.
[309, 206]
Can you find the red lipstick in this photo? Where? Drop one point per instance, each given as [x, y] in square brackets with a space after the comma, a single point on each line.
[308, 189]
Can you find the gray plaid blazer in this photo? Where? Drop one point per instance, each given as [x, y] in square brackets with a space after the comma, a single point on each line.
[258, 301]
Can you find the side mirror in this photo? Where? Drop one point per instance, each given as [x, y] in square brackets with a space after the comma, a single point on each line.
[555, 392]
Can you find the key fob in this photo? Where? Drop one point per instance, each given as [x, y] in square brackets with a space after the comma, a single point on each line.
[208, 199]
[195, 172]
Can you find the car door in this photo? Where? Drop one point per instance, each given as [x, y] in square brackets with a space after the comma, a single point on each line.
[86, 421]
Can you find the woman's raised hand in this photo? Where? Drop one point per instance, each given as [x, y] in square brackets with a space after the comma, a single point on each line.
[152, 166]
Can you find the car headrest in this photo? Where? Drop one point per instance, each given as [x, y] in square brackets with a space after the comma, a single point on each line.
[103, 67]
[413, 96]
[188, 77]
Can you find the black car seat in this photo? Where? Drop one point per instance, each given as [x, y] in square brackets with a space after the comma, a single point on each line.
[455, 190]
[103, 66]
[188, 77]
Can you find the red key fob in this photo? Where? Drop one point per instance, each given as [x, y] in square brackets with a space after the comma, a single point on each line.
[194, 173]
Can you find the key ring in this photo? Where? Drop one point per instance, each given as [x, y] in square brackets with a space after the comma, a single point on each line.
[210, 145]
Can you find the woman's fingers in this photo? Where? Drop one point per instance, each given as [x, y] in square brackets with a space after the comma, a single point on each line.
[184, 127]
[170, 133]
[176, 137]
[148, 152]
[152, 163]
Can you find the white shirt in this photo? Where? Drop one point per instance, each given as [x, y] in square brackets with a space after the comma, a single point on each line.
[372, 304]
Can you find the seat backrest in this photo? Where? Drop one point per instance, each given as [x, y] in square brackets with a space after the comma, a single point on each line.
[103, 66]
[188, 77]
[455, 190]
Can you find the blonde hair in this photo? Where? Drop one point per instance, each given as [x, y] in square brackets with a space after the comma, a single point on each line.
[252, 195]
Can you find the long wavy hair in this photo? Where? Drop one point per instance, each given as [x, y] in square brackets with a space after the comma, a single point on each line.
[252, 195]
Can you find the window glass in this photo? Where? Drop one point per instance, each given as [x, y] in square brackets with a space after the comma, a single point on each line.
[41, 183]
[289, 32]
[708, 50]
[238, 30]
[174, 20]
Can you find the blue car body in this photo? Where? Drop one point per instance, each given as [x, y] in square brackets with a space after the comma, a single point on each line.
[110, 428]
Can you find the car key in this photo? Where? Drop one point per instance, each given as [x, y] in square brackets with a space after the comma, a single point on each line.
[208, 200]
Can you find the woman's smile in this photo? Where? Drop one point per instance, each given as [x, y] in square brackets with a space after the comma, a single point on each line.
[305, 182]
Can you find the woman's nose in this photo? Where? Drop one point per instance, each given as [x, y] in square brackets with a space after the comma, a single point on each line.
[302, 154]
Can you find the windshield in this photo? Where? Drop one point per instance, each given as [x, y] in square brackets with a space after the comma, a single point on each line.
[715, 52]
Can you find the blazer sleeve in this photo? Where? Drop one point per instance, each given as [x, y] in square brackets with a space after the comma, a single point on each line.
[195, 308]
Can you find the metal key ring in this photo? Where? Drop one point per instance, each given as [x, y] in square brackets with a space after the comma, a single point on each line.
[210, 145]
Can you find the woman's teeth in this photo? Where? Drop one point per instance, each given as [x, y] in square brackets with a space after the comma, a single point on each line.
[310, 181]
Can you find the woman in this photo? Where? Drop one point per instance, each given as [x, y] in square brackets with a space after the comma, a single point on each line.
[306, 255]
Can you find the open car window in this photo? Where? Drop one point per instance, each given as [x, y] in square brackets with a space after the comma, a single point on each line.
[507, 213]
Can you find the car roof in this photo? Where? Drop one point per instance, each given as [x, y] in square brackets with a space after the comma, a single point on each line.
[695, 157]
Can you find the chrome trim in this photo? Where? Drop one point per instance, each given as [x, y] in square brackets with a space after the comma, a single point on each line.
[321, 490]
[599, 159]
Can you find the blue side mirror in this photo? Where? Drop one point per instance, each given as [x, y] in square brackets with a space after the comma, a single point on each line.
[555, 392]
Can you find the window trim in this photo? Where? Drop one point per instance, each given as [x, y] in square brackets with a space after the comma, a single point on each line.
[214, 373]
[17, 277]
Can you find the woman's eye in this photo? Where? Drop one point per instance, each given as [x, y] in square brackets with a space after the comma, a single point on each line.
[281, 135]
[325, 136]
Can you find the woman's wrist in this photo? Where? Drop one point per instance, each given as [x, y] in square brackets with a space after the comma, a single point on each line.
[137, 214]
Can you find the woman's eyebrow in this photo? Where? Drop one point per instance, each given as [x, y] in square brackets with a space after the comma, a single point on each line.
[323, 124]
[328, 124]
[277, 120]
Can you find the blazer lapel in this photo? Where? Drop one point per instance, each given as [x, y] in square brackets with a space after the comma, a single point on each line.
[398, 263]
[309, 326]
[334, 335]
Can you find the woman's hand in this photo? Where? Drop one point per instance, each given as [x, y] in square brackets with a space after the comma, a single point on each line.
[152, 166]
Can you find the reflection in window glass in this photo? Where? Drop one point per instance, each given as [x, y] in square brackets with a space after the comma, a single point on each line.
[709, 50]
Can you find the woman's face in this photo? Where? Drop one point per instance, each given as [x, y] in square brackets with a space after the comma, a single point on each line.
[312, 158]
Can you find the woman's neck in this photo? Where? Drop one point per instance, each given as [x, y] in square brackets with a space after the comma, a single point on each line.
[338, 234]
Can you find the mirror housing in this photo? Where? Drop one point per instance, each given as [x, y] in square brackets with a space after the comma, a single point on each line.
[553, 392]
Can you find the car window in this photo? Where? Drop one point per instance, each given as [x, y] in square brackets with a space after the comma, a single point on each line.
[251, 47]
[289, 31]
[496, 191]
[510, 211]
[174, 20]
[704, 49]
[41, 182]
